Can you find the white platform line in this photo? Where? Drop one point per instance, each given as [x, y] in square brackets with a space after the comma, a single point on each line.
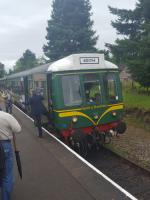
[86, 162]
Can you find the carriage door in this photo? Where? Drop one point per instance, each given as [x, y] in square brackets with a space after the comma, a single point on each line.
[49, 91]
[26, 92]
[111, 88]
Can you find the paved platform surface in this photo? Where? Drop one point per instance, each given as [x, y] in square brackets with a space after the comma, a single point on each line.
[51, 172]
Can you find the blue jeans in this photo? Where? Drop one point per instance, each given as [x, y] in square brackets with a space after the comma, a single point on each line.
[7, 181]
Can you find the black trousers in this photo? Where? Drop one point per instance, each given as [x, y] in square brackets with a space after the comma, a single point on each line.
[38, 124]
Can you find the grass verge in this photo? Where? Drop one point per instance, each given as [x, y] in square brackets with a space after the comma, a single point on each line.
[132, 99]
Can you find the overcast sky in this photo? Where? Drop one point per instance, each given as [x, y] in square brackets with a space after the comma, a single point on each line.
[23, 25]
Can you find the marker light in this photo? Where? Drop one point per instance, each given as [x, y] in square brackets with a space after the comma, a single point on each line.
[95, 116]
[74, 119]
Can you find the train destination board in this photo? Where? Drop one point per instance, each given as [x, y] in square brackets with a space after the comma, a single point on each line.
[89, 60]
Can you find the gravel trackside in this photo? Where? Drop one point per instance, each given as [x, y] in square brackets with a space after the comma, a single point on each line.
[134, 145]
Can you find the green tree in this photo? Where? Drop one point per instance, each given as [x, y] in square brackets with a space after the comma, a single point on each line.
[106, 54]
[134, 49]
[27, 61]
[70, 29]
[42, 60]
[2, 70]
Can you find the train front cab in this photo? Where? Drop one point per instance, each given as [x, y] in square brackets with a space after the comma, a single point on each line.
[87, 105]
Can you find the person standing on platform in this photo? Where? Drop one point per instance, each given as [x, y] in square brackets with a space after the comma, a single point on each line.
[8, 126]
[37, 110]
[8, 101]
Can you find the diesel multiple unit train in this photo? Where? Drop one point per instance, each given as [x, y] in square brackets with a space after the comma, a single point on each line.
[82, 93]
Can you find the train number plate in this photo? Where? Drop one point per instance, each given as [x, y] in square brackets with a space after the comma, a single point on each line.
[89, 60]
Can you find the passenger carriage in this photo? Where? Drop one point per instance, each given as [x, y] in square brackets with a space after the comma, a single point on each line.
[23, 83]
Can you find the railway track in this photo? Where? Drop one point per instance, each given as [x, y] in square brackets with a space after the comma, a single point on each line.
[129, 176]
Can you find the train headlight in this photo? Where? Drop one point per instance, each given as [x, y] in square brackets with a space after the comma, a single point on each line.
[74, 119]
[114, 113]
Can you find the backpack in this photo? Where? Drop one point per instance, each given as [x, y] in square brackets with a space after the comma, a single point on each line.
[2, 162]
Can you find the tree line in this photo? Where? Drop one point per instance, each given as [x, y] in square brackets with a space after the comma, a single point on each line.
[70, 30]
[134, 49]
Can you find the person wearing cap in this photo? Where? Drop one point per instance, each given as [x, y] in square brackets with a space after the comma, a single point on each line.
[8, 126]
[7, 96]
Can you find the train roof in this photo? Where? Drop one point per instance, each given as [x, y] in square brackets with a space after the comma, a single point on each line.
[83, 61]
[39, 69]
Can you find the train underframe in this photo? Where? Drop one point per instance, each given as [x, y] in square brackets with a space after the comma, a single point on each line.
[84, 139]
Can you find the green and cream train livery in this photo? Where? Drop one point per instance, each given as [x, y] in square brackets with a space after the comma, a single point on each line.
[86, 99]
[82, 93]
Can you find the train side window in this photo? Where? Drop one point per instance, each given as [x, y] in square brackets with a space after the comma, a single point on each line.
[71, 90]
[36, 84]
[110, 85]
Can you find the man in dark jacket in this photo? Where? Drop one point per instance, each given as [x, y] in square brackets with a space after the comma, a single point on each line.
[37, 109]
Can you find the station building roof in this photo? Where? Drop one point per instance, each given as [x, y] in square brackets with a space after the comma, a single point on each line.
[82, 61]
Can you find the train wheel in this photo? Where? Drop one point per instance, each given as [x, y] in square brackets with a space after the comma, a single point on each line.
[79, 143]
[107, 139]
[98, 139]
